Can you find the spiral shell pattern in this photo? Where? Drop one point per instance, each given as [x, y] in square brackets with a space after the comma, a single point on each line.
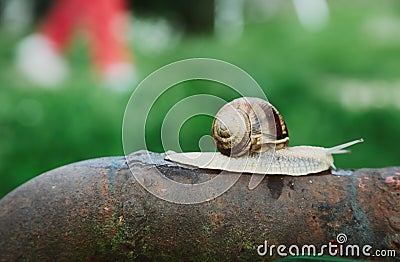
[248, 125]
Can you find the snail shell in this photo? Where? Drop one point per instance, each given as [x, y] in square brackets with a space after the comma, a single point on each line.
[248, 125]
[252, 137]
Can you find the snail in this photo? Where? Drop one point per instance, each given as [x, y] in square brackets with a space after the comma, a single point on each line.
[252, 137]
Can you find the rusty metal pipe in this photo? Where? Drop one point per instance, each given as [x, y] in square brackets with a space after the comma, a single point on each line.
[96, 210]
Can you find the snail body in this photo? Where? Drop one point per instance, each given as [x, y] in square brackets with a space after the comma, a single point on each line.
[292, 161]
[252, 137]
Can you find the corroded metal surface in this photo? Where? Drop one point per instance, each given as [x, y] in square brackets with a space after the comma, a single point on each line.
[96, 210]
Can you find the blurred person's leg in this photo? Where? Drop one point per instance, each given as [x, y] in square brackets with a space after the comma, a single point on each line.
[39, 56]
[108, 25]
[61, 20]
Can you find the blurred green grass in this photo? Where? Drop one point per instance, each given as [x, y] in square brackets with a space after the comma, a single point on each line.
[300, 72]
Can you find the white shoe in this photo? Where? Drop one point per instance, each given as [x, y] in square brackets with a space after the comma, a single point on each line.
[120, 77]
[38, 60]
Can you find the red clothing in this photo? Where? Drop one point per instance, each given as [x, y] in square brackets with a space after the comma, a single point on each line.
[104, 21]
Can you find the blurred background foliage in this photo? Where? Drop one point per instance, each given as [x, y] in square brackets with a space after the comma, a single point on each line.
[331, 84]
